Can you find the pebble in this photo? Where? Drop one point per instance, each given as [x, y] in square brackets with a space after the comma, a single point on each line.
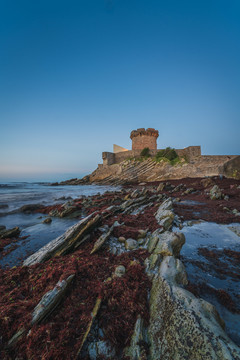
[122, 239]
[119, 271]
[131, 244]
[47, 221]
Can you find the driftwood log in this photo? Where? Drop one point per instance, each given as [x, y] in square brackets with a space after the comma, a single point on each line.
[65, 242]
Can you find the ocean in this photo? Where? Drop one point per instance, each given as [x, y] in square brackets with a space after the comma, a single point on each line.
[16, 194]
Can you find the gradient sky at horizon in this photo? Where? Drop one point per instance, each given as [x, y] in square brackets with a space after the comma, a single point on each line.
[78, 76]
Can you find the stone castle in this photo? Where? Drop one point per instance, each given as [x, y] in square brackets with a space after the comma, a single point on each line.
[141, 139]
[120, 166]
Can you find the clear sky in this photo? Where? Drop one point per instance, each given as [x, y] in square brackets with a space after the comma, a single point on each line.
[78, 76]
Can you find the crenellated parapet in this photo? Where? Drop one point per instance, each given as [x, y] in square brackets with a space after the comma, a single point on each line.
[142, 131]
[142, 138]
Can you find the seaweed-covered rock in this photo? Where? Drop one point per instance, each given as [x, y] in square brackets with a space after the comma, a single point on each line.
[207, 182]
[169, 244]
[182, 326]
[14, 232]
[160, 187]
[138, 346]
[215, 193]
[29, 208]
[164, 215]
[131, 244]
[101, 349]
[47, 221]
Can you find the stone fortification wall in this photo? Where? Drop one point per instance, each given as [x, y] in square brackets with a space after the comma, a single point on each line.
[109, 158]
[148, 170]
[217, 158]
[232, 167]
[119, 157]
[142, 138]
[189, 152]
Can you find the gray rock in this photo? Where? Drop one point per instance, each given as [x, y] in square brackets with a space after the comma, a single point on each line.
[235, 229]
[169, 244]
[142, 233]
[152, 262]
[182, 326]
[101, 349]
[166, 205]
[160, 187]
[119, 271]
[152, 243]
[189, 191]
[30, 208]
[215, 193]
[164, 215]
[131, 244]
[136, 350]
[68, 211]
[47, 221]
[166, 219]
[14, 232]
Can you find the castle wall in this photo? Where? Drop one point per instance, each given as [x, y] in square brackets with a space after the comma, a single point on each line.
[110, 158]
[142, 141]
[232, 168]
[189, 152]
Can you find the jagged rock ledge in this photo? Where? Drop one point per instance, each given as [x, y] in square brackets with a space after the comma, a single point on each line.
[118, 243]
[132, 171]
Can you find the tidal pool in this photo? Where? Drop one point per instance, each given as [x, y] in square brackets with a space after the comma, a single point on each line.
[208, 256]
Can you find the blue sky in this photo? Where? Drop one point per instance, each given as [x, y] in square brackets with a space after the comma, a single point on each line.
[78, 76]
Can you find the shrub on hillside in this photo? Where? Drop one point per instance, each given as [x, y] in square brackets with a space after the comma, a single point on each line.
[145, 152]
[167, 153]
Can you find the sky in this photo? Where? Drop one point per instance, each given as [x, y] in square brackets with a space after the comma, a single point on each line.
[78, 76]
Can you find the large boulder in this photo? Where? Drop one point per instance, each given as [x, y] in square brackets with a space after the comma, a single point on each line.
[182, 326]
[169, 244]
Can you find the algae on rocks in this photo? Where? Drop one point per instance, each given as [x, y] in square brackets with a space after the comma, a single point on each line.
[182, 326]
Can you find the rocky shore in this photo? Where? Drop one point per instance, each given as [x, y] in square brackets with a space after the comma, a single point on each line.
[114, 285]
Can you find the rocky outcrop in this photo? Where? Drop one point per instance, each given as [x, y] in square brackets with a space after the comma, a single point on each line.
[182, 326]
[132, 171]
[14, 232]
[178, 325]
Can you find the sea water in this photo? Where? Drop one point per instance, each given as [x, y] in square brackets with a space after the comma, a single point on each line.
[16, 194]
[213, 237]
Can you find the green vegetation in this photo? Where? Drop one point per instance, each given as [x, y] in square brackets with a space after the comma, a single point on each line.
[236, 174]
[167, 154]
[145, 152]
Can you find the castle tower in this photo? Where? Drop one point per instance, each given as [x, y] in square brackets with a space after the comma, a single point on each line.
[142, 138]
